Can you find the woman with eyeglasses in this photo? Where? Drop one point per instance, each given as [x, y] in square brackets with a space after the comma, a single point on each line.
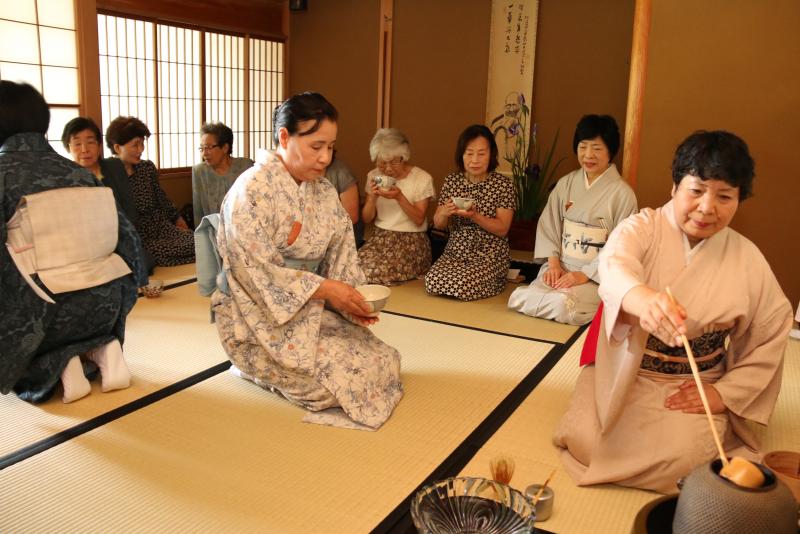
[212, 178]
[165, 235]
[399, 248]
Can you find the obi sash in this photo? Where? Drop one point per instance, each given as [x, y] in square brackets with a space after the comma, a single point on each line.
[709, 349]
[581, 243]
[67, 237]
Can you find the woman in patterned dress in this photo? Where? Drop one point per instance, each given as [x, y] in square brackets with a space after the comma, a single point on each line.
[475, 263]
[399, 248]
[165, 235]
[290, 318]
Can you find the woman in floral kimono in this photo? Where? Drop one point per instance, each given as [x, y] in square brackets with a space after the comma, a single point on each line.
[290, 318]
[636, 417]
[583, 208]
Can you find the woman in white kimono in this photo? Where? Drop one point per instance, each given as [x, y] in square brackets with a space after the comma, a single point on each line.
[636, 417]
[583, 208]
[290, 319]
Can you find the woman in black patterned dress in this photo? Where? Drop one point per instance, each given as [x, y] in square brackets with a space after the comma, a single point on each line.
[475, 263]
[165, 235]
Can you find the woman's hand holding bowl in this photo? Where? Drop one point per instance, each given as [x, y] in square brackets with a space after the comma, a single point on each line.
[344, 297]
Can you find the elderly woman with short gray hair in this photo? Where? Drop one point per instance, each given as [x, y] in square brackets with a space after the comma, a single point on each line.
[398, 194]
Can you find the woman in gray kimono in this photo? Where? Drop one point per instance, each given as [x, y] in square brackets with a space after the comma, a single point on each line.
[68, 276]
[287, 312]
[582, 210]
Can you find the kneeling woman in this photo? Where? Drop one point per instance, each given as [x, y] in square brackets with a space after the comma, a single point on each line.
[70, 262]
[475, 262]
[633, 418]
[290, 318]
[399, 248]
[583, 208]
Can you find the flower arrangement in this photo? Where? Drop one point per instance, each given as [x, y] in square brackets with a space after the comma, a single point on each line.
[533, 180]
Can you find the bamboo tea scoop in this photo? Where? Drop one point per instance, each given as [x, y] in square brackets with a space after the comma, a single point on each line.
[738, 470]
[541, 490]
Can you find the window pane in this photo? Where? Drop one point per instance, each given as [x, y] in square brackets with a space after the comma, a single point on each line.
[58, 118]
[60, 85]
[19, 72]
[58, 47]
[18, 42]
[20, 10]
[58, 13]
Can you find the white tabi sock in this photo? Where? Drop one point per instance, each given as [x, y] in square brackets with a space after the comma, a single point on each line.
[74, 381]
[114, 373]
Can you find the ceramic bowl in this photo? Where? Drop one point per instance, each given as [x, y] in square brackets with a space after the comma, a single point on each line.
[384, 182]
[376, 297]
[463, 203]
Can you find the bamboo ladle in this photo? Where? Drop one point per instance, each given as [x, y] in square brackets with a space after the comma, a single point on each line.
[738, 470]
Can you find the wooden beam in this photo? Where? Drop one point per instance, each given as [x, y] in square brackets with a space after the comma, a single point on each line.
[636, 83]
[385, 63]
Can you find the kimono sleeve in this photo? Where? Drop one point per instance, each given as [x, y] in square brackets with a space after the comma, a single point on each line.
[621, 268]
[197, 199]
[129, 247]
[752, 381]
[253, 261]
[164, 204]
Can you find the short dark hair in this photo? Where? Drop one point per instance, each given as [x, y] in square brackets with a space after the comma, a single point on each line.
[123, 129]
[302, 107]
[22, 109]
[592, 126]
[716, 155]
[469, 134]
[222, 133]
[76, 126]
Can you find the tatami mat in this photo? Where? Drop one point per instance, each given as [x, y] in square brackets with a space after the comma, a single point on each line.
[171, 275]
[527, 437]
[168, 339]
[225, 455]
[490, 314]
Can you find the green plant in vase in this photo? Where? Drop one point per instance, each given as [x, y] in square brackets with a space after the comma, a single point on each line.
[533, 180]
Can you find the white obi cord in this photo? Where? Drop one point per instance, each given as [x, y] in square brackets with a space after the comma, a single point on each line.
[581, 243]
[67, 237]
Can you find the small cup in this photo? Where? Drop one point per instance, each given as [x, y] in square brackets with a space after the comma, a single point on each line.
[463, 203]
[153, 289]
[376, 297]
[384, 182]
[544, 507]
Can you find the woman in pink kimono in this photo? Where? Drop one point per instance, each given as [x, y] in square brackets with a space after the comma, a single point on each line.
[636, 418]
[287, 311]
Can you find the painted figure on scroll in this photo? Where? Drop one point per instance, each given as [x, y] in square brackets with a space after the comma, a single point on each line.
[581, 211]
[70, 263]
[635, 417]
[290, 319]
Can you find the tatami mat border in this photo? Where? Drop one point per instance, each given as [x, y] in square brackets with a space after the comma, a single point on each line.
[181, 283]
[485, 330]
[116, 413]
[399, 520]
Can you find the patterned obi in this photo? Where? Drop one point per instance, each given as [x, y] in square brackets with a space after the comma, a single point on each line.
[708, 349]
[302, 264]
[581, 243]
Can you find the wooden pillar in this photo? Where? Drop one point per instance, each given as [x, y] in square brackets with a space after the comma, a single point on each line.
[88, 60]
[636, 84]
[385, 63]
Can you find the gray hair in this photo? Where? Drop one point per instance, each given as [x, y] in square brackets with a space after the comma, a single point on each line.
[389, 143]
